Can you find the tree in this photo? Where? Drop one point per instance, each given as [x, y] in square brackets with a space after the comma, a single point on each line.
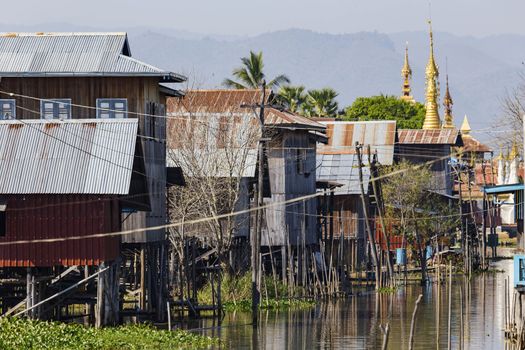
[216, 154]
[291, 97]
[513, 110]
[321, 103]
[251, 75]
[407, 115]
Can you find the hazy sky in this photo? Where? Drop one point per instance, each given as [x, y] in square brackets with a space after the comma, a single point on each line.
[248, 17]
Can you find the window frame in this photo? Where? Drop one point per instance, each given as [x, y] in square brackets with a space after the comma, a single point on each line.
[56, 108]
[3, 217]
[10, 101]
[112, 110]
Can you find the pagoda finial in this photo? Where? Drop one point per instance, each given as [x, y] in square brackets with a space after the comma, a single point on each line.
[432, 120]
[514, 153]
[447, 102]
[465, 127]
[406, 73]
[500, 155]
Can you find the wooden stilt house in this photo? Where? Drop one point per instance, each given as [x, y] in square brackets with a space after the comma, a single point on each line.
[337, 163]
[59, 77]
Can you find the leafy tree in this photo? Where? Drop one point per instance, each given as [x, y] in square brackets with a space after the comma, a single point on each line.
[408, 115]
[251, 75]
[291, 97]
[321, 103]
[411, 209]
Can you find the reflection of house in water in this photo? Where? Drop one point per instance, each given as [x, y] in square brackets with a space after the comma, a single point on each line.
[337, 164]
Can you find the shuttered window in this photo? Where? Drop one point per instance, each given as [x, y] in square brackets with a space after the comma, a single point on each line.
[7, 109]
[56, 108]
[112, 108]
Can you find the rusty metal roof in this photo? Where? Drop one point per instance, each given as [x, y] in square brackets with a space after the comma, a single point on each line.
[430, 137]
[216, 101]
[73, 54]
[237, 101]
[342, 136]
[82, 156]
[470, 144]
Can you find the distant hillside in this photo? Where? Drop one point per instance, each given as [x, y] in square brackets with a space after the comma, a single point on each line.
[481, 70]
[360, 64]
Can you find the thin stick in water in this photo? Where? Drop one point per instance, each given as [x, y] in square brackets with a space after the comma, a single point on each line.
[412, 323]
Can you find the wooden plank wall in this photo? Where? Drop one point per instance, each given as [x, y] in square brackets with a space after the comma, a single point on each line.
[143, 97]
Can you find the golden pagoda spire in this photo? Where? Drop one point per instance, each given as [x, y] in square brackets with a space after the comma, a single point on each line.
[514, 153]
[500, 156]
[406, 73]
[447, 102]
[432, 120]
[465, 127]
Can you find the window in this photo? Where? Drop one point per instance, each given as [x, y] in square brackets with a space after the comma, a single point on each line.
[7, 109]
[56, 108]
[301, 160]
[3, 218]
[112, 108]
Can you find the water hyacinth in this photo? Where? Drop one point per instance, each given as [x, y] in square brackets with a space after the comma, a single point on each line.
[23, 334]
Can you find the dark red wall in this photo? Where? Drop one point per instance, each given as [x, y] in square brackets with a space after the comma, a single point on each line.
[31, 217]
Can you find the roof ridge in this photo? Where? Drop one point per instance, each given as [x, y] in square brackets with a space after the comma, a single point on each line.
[18, 34]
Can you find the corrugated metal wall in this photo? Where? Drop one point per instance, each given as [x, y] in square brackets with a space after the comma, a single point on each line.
[33, 217]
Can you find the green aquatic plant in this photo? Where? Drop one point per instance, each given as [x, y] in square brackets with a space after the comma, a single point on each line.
[24, 334]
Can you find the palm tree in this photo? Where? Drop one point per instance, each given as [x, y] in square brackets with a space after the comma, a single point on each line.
[251, 76]
[291, 97]
[321, 103]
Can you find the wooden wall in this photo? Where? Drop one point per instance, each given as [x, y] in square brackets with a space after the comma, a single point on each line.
[288, 181]
[143, 96]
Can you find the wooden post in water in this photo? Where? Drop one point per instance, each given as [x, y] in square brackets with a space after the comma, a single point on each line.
[365, 211]
[379, 200]
[460, 317]
[449, 304]
[256, 238]
[413, 323]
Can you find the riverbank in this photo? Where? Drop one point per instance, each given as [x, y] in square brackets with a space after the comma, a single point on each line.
[23, 334]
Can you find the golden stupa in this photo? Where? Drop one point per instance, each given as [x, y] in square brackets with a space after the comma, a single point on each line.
[432, 120]
[406, 73]
[448, 119]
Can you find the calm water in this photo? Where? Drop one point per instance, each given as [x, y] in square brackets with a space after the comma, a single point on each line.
[354, 323]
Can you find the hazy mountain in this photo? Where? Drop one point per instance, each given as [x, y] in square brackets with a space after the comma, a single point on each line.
[480, 70]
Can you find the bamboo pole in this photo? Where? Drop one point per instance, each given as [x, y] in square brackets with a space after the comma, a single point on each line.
[460, 317]
[379, 201]
[413, 323]
[449, 305]
[365, 211]
[386, 333]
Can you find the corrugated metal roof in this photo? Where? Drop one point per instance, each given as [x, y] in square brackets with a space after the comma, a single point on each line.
[63, 54]
[201, 102]
[83, 156]
[343, 169]
[342, 136]
[216, 101]
[470, 144]
[282, 118]
[430, 137]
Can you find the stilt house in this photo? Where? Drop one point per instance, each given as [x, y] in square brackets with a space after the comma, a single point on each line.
[337, 163]
[47, 81]
[290, 160]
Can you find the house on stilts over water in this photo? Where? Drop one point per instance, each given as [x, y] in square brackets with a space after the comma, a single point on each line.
[82, 153]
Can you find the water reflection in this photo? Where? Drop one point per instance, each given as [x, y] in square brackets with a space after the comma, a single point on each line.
[354, 323]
